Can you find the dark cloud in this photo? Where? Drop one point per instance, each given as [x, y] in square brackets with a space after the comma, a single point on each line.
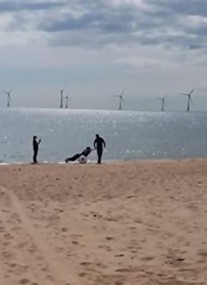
[14, 6]
[99, 23]
[100, 18]
[178, 7]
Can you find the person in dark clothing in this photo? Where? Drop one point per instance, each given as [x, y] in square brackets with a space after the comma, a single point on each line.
[99, 144]
[35, 148]
[85, 152]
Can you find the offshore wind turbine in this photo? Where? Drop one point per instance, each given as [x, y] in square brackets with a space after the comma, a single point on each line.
[61, 97]
[190, 101]
[162, 103]
[8, 93]
[121, 99]
[67, 99]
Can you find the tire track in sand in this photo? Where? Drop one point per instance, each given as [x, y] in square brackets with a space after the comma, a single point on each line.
[57, 270]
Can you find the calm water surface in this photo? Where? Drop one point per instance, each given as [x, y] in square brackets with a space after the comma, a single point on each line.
[129, 135]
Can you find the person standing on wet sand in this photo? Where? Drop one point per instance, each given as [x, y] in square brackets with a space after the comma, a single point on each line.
[35, 143]
[99, 144]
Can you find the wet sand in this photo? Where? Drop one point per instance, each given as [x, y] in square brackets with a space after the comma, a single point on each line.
[122, 223]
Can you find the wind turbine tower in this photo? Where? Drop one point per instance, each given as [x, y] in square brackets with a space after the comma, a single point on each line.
[121, 99]
[8, 93]
[66, 101]
[162, 103]
[190, 101]
[61, 97]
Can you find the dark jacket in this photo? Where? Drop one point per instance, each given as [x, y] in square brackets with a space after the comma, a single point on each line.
[99, 143]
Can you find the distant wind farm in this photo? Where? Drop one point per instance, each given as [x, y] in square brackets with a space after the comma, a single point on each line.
[65, 99]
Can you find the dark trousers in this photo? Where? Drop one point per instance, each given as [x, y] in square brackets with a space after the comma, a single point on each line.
[35, 155]
[99, 154]
[73, 158]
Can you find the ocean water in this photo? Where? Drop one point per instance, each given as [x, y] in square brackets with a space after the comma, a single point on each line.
[129, 135]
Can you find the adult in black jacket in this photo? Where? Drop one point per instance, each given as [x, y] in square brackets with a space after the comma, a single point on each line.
[99, 144]
[35, 144]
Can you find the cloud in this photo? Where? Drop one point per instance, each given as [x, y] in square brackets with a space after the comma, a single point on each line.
[103, 23]
[16, 6]
[18, 15]
[177, 7]
[145, 46]
[150, 22]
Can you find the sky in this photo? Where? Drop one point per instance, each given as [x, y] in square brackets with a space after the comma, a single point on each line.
[95, 49]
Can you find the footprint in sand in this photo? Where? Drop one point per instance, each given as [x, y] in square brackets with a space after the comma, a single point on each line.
[86, 263]
[82, 274]
[8, 236]
[109, 238]
[202, 253]
[147, 258]
[12, 265]
[24, 281]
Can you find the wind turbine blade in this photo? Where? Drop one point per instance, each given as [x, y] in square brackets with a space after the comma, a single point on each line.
[192, 91]
[63, 89]
[122, 93]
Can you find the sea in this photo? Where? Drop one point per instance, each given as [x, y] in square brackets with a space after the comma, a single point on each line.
[129, 135]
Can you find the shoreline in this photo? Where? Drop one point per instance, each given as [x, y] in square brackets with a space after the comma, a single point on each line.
[108, 162]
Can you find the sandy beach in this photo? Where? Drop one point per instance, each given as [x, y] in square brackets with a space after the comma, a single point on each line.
[121, 223]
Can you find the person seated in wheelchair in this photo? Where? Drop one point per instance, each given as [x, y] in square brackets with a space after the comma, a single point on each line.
[76, 156]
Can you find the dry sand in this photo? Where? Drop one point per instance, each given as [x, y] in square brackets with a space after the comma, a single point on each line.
[113, 224]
